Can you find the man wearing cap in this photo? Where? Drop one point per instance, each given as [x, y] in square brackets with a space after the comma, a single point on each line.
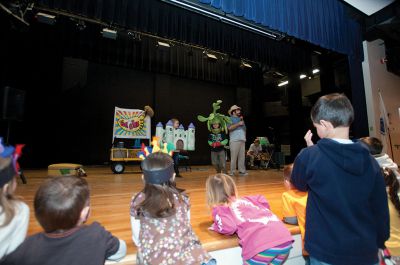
[237, 140]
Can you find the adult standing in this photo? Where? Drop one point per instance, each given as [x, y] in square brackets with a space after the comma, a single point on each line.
[237, 141]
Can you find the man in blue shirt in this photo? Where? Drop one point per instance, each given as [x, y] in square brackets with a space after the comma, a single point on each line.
[237, 141]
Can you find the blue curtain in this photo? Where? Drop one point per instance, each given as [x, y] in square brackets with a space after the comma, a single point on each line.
[322, 22]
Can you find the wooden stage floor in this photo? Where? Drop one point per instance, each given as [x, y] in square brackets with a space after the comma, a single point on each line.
[111, 195]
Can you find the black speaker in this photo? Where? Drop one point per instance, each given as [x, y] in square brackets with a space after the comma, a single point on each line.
[12, 102]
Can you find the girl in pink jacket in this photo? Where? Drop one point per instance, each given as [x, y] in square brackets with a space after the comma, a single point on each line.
[263, 237]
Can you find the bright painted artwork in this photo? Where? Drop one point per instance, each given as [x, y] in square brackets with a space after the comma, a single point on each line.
[131, 123]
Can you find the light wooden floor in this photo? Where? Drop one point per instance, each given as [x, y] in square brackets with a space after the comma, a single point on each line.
[111, 195]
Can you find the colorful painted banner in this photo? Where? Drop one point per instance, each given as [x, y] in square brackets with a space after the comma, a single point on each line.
[131, 123]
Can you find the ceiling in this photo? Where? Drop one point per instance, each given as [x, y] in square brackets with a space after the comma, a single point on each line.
[384, 23]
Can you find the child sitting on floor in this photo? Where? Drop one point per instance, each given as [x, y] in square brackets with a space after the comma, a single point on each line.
[14, 214]
[62, 206]
[160, 218]
[375, 148]
[294, 206]
[263, 237]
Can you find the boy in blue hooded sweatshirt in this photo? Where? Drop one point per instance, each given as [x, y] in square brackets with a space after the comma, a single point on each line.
[347, 213]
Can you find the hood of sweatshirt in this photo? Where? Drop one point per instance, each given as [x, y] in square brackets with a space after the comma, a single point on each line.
[352, 158]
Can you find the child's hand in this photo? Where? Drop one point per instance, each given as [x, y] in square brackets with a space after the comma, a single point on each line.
[308, 137]
[216, 144]
[211, 228]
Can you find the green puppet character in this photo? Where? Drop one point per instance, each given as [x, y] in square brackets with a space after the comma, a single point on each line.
[217, 124]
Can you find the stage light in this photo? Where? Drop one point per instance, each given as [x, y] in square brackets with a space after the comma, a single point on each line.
[284, 83]
[302, 76]
[46, 18]
[210, 56]
[245, 65]
[163, 44]
[134, 35]
[81, 25]
[315, 71]
[109, 33]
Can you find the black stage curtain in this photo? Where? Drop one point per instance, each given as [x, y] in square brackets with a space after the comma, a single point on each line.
[164, 20]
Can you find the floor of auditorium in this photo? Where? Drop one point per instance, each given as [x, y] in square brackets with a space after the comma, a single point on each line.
[111, 195]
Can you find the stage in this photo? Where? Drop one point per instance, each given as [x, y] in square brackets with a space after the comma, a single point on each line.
[111, 195]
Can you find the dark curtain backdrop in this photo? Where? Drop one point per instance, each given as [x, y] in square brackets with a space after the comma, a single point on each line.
[64, 122]
[165, 20]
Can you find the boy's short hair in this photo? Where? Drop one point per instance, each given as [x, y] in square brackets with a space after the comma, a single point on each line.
[287, 172]
[374, 145]
[335, 108]
[59, 201]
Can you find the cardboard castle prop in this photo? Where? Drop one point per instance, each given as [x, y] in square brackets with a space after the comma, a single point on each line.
[181, 138]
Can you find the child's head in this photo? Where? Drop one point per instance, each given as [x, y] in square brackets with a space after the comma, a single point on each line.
[61, 203]
[160, 188]
[158, 168]
[287, 176]
[330, 112]
[7, 188]
[375, 148]
[175, 123]
[220, 189]
[374, 145]
[215, 125]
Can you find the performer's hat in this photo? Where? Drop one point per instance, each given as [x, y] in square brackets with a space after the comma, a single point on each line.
[233, 108]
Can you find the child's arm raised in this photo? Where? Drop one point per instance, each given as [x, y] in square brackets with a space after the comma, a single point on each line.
[308, 138]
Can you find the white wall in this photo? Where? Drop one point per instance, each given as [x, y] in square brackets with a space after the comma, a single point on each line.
[376, 78]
